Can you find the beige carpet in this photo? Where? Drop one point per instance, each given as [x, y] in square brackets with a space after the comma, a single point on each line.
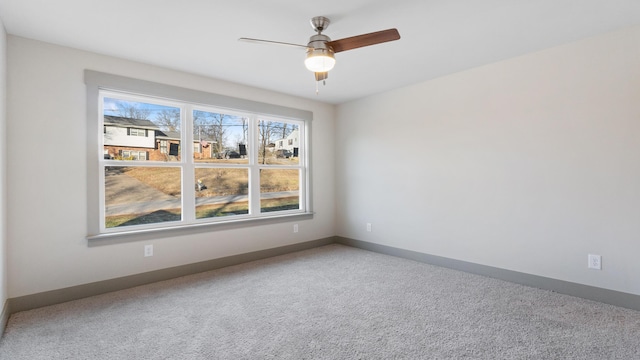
[333, 302]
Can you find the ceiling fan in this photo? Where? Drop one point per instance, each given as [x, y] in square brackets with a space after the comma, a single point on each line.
[321, 48]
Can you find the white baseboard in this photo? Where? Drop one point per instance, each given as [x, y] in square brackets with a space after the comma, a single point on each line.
[4, 317]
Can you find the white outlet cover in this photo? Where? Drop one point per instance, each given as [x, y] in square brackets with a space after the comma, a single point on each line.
[595, 262]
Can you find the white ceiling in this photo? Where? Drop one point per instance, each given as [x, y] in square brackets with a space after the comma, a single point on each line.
[439, 37]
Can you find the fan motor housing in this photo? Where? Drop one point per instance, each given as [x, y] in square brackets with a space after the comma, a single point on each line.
[319, 42]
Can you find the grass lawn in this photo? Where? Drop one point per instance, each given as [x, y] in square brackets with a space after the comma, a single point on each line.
[219, 181]
[203, 211]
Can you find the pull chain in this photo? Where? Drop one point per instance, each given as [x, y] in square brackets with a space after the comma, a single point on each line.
[324, 83]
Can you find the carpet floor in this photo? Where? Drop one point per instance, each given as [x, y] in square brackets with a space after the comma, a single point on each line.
[332, 302]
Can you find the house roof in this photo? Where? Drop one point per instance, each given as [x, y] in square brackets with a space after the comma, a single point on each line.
[175, 135]
[172, 135]
[120, 121]
[292, 134]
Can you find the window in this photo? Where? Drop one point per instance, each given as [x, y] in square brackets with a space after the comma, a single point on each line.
[163, 147]
[140, 155]
[130, 155]
[231, 174]
[137, 132]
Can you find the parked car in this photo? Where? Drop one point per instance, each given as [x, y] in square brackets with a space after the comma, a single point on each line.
[283, 153]
[230, 154]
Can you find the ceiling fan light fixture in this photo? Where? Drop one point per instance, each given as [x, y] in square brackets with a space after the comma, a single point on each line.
[321, 49]
[319, 60]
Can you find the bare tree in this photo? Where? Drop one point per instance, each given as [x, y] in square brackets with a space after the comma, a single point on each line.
[218, 130]
[168, 119]
[132, 110]
[265, 129]
[245, 130]
[212, 127]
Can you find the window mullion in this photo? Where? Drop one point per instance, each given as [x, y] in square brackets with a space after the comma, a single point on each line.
[303, 165]
[188, 167]
[254, 171]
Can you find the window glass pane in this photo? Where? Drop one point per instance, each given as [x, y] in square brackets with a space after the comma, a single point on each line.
[279, 189]
[140, 131]
[141, 195]
[278, 142]
[221, 192]
[221, 138]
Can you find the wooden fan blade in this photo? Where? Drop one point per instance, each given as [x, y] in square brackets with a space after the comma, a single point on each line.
[260, 41]
[358, 41]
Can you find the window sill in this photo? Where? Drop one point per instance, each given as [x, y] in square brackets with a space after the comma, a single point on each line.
[150, 234]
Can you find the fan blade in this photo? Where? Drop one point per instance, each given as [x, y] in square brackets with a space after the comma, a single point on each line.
[355, 42]
[260, 41]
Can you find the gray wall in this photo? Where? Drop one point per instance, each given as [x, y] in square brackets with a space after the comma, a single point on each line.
[3, 169]
[527, 164]
[47, 175]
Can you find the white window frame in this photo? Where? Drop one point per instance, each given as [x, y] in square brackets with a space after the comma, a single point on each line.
[137, 132]
[188, 100]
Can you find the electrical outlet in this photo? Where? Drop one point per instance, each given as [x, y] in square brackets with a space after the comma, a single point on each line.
[369, 227]
[148, 250]
[295, 228]
[595, 262]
